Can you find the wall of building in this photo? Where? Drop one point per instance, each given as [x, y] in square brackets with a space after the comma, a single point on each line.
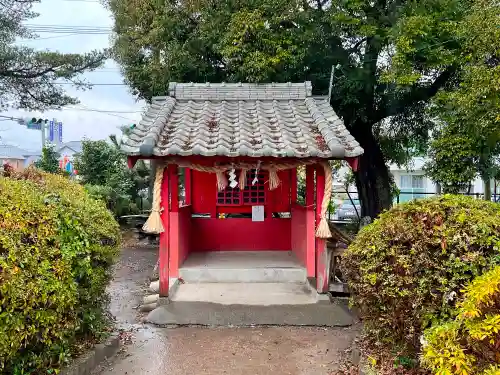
[412, 182]
[67, 154]
[413, 185]
[66, 151]
[30, 160]
[17, 164]
[406, 181]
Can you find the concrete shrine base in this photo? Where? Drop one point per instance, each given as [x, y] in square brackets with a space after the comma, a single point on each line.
[319, 314]
[247, 289]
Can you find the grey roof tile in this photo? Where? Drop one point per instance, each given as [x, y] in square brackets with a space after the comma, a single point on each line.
[76, 146]
[12, 152]
[278, 120]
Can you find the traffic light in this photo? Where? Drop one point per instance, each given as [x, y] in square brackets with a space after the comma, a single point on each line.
[36, 123]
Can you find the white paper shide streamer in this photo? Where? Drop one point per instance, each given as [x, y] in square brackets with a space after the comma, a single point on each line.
[232, 179]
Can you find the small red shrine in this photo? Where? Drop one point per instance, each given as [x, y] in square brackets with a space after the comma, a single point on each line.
[239, 146]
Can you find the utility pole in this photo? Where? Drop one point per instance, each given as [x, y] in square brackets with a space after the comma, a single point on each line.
[332, 76]
[42, 130]
[331, 84]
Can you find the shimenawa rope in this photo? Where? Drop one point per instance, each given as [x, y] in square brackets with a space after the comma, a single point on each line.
[154, 224]
[323, 230]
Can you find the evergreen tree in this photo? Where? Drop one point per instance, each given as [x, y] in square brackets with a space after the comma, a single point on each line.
[49, 161]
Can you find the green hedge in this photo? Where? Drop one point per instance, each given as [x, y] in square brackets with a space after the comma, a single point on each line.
[57, 246]
[407, 269]
[470, 343]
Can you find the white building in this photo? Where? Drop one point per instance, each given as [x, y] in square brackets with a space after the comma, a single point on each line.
[66, 150]
[12, 155]
[412, 181]
[69, 149]
[67, 153]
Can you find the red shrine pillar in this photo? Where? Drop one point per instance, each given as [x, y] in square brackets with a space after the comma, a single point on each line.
[174, 187]
[187, 186]
[311, 245]
[169, 239]
[321, 253]
[293, 186]
[173, 264]
[164, 255]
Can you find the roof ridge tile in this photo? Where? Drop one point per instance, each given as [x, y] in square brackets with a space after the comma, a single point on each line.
[238, 91]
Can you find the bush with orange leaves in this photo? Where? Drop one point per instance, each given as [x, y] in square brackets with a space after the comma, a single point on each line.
[469, 344]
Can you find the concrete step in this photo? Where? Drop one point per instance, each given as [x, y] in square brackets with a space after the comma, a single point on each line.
[255, 294]
[243, 267]
[214, 314]
[243, 275]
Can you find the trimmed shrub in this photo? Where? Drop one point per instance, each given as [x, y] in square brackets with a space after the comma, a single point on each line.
[57, 246]
[407, 268]
[470, 344]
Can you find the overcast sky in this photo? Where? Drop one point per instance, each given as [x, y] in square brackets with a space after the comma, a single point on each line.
[80, 123]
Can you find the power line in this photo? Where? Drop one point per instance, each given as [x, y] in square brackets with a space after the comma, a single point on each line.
[105, 113]
[71, 31]
[49, 37]
[10, 118]
[59, 26]
[79, 32]
[105, 71]
[68, 29]
[92, 84]
[100, 110]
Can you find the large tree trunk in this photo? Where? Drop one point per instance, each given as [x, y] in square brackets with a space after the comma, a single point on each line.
[372, 177]
[487, 189]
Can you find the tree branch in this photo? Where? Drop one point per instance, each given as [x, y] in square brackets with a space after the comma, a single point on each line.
[399, 105]
[356, 46]
[37, 71]
[17, 73]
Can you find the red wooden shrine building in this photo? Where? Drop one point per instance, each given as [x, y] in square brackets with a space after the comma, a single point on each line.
[238, 147]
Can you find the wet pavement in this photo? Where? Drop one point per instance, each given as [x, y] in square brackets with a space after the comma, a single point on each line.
[212, 351]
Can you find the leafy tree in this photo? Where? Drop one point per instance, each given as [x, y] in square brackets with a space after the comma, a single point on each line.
[103, 170]
[142, 174]
[49, 161]
[391, 57]
[28, 77]
[452, 162]
[97, 162]
[468, 142]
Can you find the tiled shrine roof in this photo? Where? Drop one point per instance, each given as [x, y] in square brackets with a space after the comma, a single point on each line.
[231, 119]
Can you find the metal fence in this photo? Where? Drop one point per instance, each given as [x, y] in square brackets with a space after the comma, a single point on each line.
[403, 196]
[419, 195]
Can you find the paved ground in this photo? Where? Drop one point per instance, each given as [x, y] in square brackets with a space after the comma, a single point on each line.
[212, 351]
